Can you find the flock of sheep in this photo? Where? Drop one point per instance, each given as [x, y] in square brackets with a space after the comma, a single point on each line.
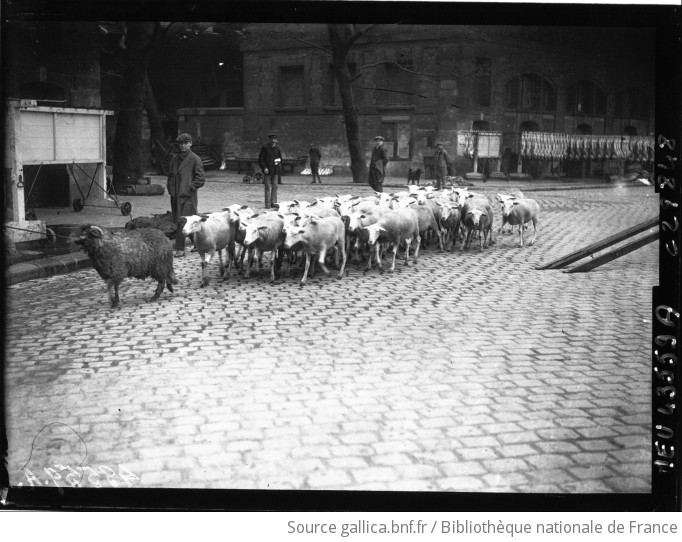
[340, 224]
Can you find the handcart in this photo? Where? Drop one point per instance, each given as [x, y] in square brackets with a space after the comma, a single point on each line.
[125, 207]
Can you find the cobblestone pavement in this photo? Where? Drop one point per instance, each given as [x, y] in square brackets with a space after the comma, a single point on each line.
[470, 371]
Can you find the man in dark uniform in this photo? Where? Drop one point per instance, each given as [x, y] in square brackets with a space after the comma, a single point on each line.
[270, 162]
[377, 165]
[443, 165]
[185, 177]
[315, 157]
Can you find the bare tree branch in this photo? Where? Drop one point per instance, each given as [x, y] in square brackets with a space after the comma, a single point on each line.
[359, 33]
[328, 51]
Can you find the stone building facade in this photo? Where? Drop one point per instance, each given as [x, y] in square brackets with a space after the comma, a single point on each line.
[422, 84]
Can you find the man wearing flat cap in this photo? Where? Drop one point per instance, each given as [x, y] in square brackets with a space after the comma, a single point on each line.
[377, 165]
[443, 165]
[270, 162]
[185, 177]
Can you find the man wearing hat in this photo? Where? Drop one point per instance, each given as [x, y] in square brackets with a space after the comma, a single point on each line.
[377, 165]
[270, 162]
[442, 164]
[315, 157]
[185, 177]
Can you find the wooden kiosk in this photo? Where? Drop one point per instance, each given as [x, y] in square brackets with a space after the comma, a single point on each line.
[40, 136]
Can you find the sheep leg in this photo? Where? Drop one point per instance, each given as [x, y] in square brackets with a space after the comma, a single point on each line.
[521, 230]
[158, 291]
[249, 262]
[369, 258]
[307, 266]
[408, 242]
[230, 260]
[113, 299]
[418, 241]
[343, 260]
[440, 239]
[204, 264]
[466, 241]
[220, 261]
[273, 264]
[535, 230]
[242, 253]
[320, 258]
[395, 253]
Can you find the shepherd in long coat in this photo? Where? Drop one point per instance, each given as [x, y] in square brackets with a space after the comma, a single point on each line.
[377, 165]
[443, 165]
[185, 177]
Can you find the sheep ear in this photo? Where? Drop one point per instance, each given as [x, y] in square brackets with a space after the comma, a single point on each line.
[254, 216]
[381, 228]
[244, 207]
[204, 218]
[515, 202]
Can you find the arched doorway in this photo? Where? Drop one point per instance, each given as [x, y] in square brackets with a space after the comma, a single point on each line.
[529, 126]
[630, 131]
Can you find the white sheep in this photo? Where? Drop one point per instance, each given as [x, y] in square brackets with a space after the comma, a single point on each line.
[400, 225]
[477, 216]
[317, 237]
[264, 233]
[212, 233]
[520, 212]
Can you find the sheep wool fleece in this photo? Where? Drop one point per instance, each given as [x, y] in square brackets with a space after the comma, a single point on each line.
[185, 177]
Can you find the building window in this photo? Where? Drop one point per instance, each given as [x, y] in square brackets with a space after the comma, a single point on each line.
[395, 85]
[332, 95]
[585, 98]
[530, 92]
[482, 82]
[631, 103]
[291, 86]
[398, 139]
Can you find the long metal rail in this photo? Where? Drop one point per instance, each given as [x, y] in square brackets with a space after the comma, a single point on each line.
[601, 245]
[613, 254]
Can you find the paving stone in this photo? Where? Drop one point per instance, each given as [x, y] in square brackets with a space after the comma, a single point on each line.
[329, 479]
[460, 483]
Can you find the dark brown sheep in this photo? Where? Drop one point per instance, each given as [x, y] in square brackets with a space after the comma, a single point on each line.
[138, 253]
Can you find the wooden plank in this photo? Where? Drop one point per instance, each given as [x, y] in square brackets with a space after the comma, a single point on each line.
[599, 245]
[613, 254]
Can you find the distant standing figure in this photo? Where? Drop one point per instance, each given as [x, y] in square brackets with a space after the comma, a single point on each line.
[270, 162]
[315, 157]
[442, 163]
[506, 163]
[185, 177]
[377, 165]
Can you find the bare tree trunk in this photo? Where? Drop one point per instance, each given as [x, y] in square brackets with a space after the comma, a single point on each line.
[140, 37]
[155, 125]
[341, 40]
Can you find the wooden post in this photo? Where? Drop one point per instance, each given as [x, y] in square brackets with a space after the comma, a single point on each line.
[13, 160]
